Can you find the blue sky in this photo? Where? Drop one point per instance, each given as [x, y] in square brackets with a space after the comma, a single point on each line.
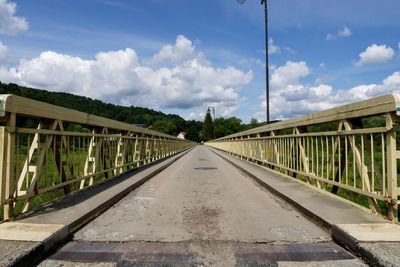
[180, 56]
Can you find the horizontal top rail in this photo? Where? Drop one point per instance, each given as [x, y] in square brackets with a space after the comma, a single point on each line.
[366, 108]
[36, 109]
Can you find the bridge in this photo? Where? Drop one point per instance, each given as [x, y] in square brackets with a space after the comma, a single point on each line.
[78, 189]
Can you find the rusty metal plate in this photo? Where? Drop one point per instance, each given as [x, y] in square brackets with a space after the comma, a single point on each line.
[199, 253]
[260, 253]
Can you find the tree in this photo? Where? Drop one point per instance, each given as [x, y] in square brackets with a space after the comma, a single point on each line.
[170, 124]
[193, 129]
[165, 126]
[207, 132]
[253, 122]
[224, 127]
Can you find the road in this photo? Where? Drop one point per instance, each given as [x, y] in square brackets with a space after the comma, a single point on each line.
[202, 211]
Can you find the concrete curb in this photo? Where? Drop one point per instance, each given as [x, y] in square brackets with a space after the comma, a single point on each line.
[32, 255]
[339, 235]
[345, 239]
[41, 249]
[376, 260]
[352, 244]
[378, 248]
[29, 256]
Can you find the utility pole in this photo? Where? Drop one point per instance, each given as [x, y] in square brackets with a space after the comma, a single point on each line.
[265, 3]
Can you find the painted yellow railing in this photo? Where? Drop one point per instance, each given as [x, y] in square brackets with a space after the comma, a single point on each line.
[65, 150]
[349, 151]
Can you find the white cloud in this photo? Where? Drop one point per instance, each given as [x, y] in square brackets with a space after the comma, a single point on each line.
[290, 98]
[3, 52]
[272, 48]
[375, 54]
[330, 37]
[182, 78]
[276, 49]
[342, 33]
[172, 55]
[194, 116]
[345, 32]
[289, 74]
[289, 50]
[9, 23]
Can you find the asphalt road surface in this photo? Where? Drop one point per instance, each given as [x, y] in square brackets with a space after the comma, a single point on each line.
[201, 211]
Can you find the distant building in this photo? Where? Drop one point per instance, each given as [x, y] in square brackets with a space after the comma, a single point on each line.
[181, 135]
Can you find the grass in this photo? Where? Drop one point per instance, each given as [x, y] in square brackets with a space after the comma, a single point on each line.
[75, 153]
[371, 157]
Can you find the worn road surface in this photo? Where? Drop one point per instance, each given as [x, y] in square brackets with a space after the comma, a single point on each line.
[201, 211]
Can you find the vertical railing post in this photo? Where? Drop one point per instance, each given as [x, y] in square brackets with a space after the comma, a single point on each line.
[3, 163]
[9, 137]
[391, 167]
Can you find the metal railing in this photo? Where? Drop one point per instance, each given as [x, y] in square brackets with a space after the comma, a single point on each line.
[349, 151]
[48, 151]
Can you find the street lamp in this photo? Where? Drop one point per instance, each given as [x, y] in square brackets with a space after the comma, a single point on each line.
[265, 3]
[213, 109]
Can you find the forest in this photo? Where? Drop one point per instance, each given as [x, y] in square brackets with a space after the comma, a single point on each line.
[167, 123]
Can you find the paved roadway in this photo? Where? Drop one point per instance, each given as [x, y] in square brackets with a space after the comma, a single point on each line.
[201, 211]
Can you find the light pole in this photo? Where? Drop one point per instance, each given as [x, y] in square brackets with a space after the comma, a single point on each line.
[265, 3]
[213, 109]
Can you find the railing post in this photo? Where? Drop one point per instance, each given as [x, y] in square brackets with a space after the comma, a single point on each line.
[9, 163]
[391, 156]
[3, 163]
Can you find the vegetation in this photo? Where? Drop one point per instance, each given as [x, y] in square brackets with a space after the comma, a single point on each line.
[207, 133]
[158, 121]
[228, 126]
[166, 123]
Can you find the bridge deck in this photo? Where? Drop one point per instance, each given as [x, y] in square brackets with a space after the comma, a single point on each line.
[201, 197]
[202, 211]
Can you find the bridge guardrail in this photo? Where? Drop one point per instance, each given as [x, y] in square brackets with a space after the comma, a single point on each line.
[47, 151]
[350, 151]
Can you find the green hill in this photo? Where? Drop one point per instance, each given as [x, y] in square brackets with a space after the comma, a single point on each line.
[166, 123]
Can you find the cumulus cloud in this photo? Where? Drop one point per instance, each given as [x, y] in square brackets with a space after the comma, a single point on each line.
[3, 52]
[289, 97]
[288, 93]
[174, 54]
[289, 74]
[175, 77]
[10, 24]
[375, 54]
[342, 33]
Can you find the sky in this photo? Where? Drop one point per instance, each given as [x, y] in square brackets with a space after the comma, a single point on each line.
[181, 56]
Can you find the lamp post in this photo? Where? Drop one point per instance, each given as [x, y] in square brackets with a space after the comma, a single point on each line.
[213, 109]
[265, 3]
